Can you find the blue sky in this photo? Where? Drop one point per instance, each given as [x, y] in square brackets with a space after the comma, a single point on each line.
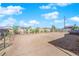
[39, 14]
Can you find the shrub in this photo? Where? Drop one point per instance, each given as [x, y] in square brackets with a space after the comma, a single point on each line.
[75, 27]
[15, 29]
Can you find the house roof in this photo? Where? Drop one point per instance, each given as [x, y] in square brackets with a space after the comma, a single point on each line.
[68, 27]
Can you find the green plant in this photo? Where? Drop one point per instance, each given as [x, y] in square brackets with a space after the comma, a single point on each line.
[36, 30]
[32, 31]
[15, 29]
[75, 27]
[53, 28]
[45, 30]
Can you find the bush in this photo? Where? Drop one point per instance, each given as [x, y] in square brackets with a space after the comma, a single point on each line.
[75, 28]
[15, 29]
[36, 30]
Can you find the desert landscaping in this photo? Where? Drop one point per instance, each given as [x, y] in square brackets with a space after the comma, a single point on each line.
[21, 41]
[42, 44]
[39, 29]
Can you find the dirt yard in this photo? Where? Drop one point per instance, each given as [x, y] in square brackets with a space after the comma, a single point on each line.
[36, 45]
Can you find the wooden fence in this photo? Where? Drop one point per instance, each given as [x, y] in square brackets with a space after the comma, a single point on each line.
[5, 43]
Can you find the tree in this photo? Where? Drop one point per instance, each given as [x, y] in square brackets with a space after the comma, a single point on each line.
[45, 30]
[30, 30]
[15, 29]
[53, 28]
[75, 27]
[26, 29]
[36, 30]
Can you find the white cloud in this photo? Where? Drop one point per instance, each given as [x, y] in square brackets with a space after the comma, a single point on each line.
[29, 23]
[45, 7]
[11, 10]
[58, 21]
[34, 22]
[49, 6]
[11, 21]
[63, 4]
[23, 23]
[8, 22]
[53, 5]
[52, 15]
[75, 18]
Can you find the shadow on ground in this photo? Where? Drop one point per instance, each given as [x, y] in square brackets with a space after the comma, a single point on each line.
[6, 45]
[68, 42]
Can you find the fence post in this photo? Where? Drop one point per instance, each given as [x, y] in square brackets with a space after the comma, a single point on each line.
[4, 40]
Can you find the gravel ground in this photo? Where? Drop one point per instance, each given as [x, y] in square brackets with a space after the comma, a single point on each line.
[35, 45]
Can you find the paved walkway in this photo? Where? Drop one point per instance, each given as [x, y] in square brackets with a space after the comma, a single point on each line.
[35, 45]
